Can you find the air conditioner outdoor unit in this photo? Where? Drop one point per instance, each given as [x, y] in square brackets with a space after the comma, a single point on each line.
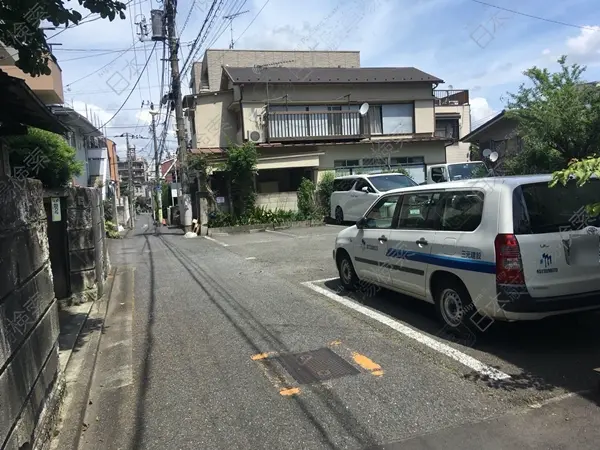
[256, 136]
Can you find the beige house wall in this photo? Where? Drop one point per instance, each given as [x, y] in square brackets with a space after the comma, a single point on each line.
[49, 88]
[214, 60]
[215, 125]
[458, 152]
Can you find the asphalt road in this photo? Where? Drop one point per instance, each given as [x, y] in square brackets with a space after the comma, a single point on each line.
[196, 356]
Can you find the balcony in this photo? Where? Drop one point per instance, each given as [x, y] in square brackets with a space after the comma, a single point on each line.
[49, 88]
[451, 97]
[314, 125]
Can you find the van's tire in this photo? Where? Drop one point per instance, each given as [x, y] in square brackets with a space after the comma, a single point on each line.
[453, 305]
[348, 277]
[339, 215]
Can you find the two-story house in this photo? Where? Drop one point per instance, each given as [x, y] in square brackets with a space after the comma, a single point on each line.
[306, 121]
[453, 121]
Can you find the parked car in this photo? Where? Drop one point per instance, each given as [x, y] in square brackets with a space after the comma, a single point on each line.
[505, 248]
[352, 195]
[439, 173]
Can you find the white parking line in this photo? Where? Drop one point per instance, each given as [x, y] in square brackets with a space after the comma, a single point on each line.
[218, 242]
[282, 233]
[434, 344]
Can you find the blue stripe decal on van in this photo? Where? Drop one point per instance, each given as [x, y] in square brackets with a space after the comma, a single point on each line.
[444, 261]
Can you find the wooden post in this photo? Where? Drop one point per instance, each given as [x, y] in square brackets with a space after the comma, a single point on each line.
[4, 161]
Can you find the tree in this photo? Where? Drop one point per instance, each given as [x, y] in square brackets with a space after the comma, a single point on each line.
[581, 171]
[20, 26]
[558, 118]
[43, 155]
[307, 206]
[241, 167]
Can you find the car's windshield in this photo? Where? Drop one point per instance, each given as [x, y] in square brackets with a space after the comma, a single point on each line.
[466, 170]
[384, 183]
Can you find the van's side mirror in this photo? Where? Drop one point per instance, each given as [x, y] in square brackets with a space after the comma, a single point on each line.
[366, 189]
[361, 223]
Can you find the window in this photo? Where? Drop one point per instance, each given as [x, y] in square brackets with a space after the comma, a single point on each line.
[540, 209]
[460, 210]
[447, 128]
[438, 174]
[361, 183]
[391, 119]
[466, 171]
[346, 163]
[403, 160]
[417, 212]
[384, 183]
[397, 119]
[382, 214]
[343, 184]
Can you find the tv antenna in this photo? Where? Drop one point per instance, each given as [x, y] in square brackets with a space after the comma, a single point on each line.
[230, 18]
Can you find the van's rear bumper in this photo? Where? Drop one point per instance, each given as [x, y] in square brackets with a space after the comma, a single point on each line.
[518, 300]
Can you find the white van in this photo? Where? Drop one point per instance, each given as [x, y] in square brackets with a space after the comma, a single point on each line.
[353, 194]
[440, 173]
[508, 248]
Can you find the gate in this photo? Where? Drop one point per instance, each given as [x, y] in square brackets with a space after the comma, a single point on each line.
[56, 213]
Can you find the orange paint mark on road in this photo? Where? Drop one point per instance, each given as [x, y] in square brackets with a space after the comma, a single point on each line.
[367, 364]
[260, 356]
[335, 342]
[289, 391]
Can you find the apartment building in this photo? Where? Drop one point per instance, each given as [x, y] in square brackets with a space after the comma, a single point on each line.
[139, 170]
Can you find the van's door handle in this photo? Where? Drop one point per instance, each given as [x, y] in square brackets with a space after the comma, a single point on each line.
[422, 241]
[383, 238]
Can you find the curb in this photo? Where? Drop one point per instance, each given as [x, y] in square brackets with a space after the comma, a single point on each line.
[72, 414]
[265, 226]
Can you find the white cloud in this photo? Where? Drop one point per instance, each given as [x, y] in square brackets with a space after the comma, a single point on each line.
[546, 51]
[481, 111]
[586, 46]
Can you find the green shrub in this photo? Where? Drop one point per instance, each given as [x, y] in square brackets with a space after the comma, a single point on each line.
[112, 231]
[307, 206]
[324, 191]
[109, 214]
[257, 216]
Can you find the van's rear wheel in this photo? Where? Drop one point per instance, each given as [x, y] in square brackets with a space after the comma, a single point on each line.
[339, 215]
[454, 306]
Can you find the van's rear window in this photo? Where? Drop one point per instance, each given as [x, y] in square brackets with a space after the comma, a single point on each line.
[538, 208]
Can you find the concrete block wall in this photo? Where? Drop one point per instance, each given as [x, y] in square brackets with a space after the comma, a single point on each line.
[85, 228]
[28, 315]
[287, 201]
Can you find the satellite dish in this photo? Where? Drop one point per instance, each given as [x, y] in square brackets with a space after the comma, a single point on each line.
[494, 156]
[487, 152]
[364, 109]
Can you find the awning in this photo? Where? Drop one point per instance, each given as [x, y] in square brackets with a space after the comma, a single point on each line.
[289, 161]
[20, 106]
[447, 115]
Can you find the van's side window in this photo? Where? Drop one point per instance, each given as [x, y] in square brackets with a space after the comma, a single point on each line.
[418, 211]
[344, 184]
[438, 174]
[460, 210]
[382, 214]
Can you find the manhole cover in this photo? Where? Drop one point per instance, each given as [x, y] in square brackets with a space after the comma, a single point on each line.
[316, 366]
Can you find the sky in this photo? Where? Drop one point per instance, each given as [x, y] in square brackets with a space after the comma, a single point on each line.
[466, 43]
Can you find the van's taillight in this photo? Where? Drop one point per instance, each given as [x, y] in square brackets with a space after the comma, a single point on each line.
[509, 268]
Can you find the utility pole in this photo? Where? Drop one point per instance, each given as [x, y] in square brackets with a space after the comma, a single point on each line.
[185, 203]
[157, 191]
[130, 181]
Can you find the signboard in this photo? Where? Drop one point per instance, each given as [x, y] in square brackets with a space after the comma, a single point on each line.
[220, 200]
[55, 203]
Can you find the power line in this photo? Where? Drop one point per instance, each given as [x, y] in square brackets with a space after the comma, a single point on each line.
[96, 71]
[132, 89]
[531, 16]
[252, 21]
[187, 19]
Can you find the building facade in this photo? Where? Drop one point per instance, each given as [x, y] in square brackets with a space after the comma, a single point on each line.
[139, 170]
[308, 121]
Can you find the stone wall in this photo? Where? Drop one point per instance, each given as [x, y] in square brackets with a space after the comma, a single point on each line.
[88, 257]
[28, 314]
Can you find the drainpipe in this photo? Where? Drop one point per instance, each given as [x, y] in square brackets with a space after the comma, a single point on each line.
[242, 111]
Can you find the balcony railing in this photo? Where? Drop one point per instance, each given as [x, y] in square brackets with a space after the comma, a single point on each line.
[451, 97]
[314, 125]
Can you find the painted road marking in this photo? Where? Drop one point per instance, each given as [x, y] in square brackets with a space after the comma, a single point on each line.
[250, 258]
[324, 280]
[282, 233]
[218, 242]
[433, 344]
[367, 364]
